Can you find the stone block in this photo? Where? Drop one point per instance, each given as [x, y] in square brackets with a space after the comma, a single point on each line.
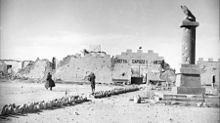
[190, 69]
[188, 90]
[190, 75]
[190, 80]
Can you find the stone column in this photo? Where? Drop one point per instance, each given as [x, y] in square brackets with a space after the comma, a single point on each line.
[190, 73]
[189, 41]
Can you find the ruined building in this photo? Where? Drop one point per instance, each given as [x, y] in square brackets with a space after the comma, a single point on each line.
[9, 66]
[210, 70]
[74, 68]
[137, 67]
[35, 70]
[128, 67]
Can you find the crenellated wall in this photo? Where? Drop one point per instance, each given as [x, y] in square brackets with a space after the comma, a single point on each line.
[137, 64]
[208, 69]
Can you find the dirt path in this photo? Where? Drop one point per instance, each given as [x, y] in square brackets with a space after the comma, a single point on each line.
[118, 109]
[24, 92]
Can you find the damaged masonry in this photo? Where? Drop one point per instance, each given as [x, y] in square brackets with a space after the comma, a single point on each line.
[128, 68]
[94, 86]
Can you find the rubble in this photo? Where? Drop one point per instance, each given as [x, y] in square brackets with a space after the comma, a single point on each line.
[3, 68]
[13, 109]
[35, 70]
[137, 99]
[115, 91]
[178, 99]
[169, 76]
[74, 68]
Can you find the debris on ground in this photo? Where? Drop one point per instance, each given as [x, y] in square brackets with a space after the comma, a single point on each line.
[137, 99]
[115, 91]
[35, 70]
[42, 105]
[178, 99]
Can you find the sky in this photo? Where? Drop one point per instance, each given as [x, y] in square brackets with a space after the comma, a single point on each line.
[57, 28]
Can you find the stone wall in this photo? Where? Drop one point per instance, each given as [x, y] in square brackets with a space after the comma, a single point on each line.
[25, 63]
[36, 70]
[137, 64]
[121, 71]
[16, 65]
[208, 69]
[75, 68]
[3, 67]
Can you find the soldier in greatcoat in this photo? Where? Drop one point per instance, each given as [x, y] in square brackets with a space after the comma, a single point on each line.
[49, 83]
[91, 78]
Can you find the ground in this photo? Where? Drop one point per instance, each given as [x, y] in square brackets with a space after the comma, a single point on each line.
[114, 109]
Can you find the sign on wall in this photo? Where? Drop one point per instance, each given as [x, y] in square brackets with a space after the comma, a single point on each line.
[121, 61]
[133, 61]
[139, 61]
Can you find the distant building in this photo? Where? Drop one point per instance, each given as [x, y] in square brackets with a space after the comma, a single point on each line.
[129, 67]
[209, 70]
[137, 67]
[9, 66]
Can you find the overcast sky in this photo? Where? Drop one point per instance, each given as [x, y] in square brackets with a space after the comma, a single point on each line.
[47, 28]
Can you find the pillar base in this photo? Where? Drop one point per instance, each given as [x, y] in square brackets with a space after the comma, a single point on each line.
[188, 90]
[190, 80]
[190, 75]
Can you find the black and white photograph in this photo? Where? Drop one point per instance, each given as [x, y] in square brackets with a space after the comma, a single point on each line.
[109, 61]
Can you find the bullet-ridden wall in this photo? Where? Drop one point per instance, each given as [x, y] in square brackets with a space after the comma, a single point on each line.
[75, 69]
[209, 68]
